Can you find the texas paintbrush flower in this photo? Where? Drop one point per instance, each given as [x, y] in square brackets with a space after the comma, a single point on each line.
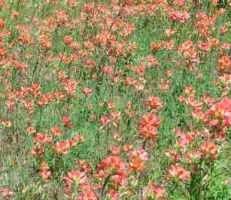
[56, 131]
[137, 160]
[44, 171]
[224, 63]
[179, 172]
[154, 102]
[42, 138]
[104, 120]
[6, 192]
[155, 191]
[148, 126]
[77, 182]
[2, 23]
[67, 122]
[219, 114]
[114, 168]
[209, 150]
[87, 193]
[75, 176]
[64, 146]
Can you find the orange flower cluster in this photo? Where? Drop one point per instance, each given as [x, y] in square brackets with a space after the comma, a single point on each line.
[148, 126]
[177, 171]
[224, 64]
[114, 167]
[137, 160]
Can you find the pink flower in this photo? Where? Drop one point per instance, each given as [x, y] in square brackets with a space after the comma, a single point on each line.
[87, 91]
[6, 192]
[177, 171]
[181, 17]
[179, 2]
[104, 120]
[154, 190]
[43, 138]
[220, 112]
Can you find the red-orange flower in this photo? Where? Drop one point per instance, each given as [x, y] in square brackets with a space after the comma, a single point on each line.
[209, 149]
[154, 102]
[148, 126]
[177, 171]
[42, 138]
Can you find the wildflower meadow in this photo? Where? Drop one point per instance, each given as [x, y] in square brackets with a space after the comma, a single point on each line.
[115, 100]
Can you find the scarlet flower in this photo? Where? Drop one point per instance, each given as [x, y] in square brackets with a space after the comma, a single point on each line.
[130, 81]
[205, 46]
[215, 2]
[115, 116]
[75, 176]
[88, 8]
[62, 147]
[45, 41]
[68, 39]
[185, 139]
[148, 126]
[179, 2]
[87, 91]
[44, 172]
[177, 171]
[150, 119]
[209, 149]
[45, 99]
[169, 32]
[2, 23]
[181, 99]
[43, 138]
[224, 63]
[154, 102]
[79, 179]
[173, 154]
[104, 120]
[84, 166]
[113, 166]
[56, 131]
[6, 123]
[191, 156]
[67, 122]
[115, 150]
[112, 162]
[71, 3]
[181, 17]
[127, 147]
[137, 159]
[87, 193]
[6, 192]
[140, 70]
[61, 17]
[155, 46]
[220, 112]
[113, 195]
[73, 141]
[164, 85]
[70, 86]
[35, 89]
[30, 130]
[2, 52]
[154, 190]
[38, 150]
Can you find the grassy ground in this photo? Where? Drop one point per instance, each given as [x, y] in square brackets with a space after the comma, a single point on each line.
[33, 50]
